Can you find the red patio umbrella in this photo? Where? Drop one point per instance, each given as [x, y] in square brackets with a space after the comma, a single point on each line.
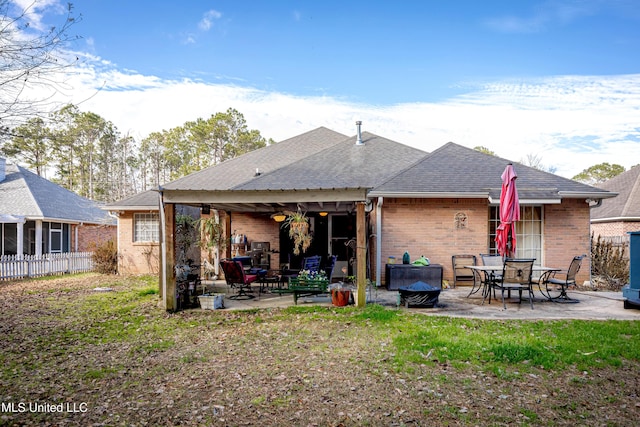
[509, 213]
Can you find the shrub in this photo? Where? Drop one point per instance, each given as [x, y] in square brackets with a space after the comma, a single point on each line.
[105, 258]
[609, 263]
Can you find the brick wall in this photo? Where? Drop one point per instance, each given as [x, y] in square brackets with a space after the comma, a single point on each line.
[258, 228]
[612, 229]
[431, 227]
[90, 236]
[135, 258]
[567, 234]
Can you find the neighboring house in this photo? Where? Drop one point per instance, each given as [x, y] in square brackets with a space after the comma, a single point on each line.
[370, 198]
[614, 218]
[39, 217]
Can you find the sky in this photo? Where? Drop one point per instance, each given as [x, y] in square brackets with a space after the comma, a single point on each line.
[555, 80]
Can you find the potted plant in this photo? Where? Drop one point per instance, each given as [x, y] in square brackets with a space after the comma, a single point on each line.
[298, 224]
[340, 294]
[212, 237]
[306, 277]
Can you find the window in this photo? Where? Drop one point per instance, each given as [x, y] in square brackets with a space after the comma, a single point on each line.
[528, 232]
[146, 227]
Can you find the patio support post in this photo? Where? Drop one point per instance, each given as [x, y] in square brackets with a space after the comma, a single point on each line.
[361, 255]
[170, 302]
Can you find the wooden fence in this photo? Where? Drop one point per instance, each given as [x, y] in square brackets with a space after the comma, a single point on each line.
[14, 267]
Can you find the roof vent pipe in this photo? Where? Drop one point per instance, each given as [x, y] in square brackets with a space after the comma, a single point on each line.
[359, 138]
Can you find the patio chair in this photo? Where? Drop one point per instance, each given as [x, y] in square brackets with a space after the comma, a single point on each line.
[236, 277]
[310, 264]
[495, 260]
[462, 274]
[329, 266]
[556, 287]
[516, 276]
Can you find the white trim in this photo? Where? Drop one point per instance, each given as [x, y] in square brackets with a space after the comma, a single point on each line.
[261, 197]
[587, 195]
[616, 219]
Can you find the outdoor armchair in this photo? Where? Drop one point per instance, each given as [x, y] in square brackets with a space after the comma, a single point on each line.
[558, 282]
[460, 273]
[516, 276]
[236, 277]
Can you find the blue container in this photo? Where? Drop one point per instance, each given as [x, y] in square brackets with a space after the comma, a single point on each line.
[631, 292]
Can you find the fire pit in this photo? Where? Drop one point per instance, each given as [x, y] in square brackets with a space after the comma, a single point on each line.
[419, 294]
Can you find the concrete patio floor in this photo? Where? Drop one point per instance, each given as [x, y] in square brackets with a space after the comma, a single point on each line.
[593, 305]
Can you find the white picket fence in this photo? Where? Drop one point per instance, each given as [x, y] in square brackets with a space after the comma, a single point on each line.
[14, 267]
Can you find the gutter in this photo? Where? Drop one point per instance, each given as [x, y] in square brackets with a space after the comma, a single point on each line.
[587, 195]
[430, 195]
[616, 219]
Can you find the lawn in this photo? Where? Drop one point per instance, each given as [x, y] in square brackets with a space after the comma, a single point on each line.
[75, 356]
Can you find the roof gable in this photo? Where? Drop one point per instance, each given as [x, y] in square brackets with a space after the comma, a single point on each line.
[456, 170]
[627, 203]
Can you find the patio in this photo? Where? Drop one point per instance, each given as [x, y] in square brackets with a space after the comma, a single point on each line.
[594, 305]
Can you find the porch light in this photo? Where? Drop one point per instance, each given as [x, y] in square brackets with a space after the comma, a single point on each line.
[323, 213]
[279, 217]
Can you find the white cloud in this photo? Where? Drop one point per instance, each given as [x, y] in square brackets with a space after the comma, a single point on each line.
[570, 122]
[544, 15]
[209, 16]
[35, 9]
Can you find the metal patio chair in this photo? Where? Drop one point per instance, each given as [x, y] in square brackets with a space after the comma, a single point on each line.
[516, 276]
[558, 282]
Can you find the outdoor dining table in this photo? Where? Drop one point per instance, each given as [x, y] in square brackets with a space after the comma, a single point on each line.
[491, 276]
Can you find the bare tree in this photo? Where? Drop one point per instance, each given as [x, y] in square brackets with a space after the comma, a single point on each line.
[32, 58]
[535, 161]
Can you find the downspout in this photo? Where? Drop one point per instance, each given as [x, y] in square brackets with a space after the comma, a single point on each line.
[598, 203]
[379, 241]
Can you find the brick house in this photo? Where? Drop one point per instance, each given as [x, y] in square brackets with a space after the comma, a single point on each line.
[138, 239]
[369, 198]
[614, 218]
[39, 217]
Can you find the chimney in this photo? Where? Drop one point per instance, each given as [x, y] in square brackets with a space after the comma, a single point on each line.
[359, 138]
[3, 167]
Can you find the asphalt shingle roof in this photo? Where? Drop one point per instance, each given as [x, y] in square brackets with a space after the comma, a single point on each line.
[237, 171]
[627, 203]
[26, 194]
[147, 200]
[454, 169]
[343, 165]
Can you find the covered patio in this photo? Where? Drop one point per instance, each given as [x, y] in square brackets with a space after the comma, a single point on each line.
[322, 173]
